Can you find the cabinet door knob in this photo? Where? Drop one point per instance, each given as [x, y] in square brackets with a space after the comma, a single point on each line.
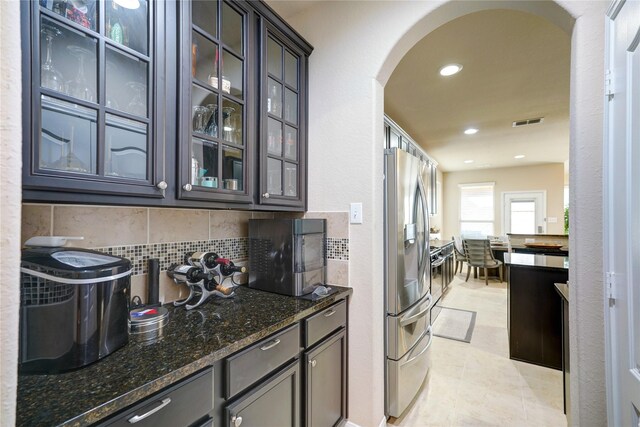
[236, 421]
[265, 195]
[313, 363]
[162, 185]
[187, 187]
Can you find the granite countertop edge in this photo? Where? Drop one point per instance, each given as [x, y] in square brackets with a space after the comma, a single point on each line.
[563, 290]
[129, 397]
[537, 261]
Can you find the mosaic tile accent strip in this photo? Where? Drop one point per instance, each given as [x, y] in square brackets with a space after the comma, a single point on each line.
[236, 249]
[169, 253]
[337, 249]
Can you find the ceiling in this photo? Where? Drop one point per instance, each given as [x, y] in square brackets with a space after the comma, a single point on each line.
[515, 66]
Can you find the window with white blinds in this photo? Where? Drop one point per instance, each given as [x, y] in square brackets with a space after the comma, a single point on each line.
[476, 209]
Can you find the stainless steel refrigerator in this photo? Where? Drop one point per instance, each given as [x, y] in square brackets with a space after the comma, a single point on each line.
[407, 279]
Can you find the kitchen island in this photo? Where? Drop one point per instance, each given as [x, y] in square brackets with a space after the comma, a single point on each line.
[534, 320]
[192, 341]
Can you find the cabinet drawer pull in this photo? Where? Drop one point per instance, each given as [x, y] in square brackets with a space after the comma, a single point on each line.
[330, 313]
[313, 363]
[270, 345]
[137, 418]
[236, 421]
[162, 185]
[187, 187]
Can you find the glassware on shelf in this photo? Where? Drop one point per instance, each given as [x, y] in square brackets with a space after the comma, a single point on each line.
[68, 161]
[227, 127]
[212, 124]
[49, 76]
[79, 87]
[201, 117]
[137, 105]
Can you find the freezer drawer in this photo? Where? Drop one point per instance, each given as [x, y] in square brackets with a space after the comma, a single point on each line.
[405, 330]
[405, 376]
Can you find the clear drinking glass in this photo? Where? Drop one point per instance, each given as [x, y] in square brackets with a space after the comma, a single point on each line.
[49, 76]
[79, 87]
[200, 118]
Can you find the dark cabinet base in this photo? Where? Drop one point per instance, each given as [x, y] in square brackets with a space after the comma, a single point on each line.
[534, 315]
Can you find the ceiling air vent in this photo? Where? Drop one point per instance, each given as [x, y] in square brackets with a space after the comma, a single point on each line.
[527, 122]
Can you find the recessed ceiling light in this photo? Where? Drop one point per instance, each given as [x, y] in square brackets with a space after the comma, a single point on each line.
[470, 131]
[519, 156]
[450, 70]
[468, 161]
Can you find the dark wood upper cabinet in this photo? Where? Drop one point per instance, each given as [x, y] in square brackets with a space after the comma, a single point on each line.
[195, 103]
[282, 178]
[94, 113]
[216, 143]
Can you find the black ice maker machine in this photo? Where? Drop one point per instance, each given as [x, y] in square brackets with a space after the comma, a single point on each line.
[74, 307]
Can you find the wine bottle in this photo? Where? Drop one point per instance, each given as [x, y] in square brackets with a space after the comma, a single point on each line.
[187, 273]
[227, 267]
[202, 259]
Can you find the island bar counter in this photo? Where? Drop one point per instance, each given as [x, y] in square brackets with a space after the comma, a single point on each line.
[534, 320]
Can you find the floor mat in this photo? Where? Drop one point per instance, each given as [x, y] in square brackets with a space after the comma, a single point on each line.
[455, 324]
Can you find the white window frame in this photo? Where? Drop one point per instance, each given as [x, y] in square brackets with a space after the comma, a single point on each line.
[491, 184]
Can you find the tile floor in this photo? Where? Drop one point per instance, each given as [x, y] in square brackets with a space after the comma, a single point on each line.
[476, 384]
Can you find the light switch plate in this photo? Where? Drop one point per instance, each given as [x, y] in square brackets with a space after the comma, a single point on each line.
[355, 213]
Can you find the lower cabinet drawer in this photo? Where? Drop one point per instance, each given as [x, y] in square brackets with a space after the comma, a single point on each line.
[186, 403]
[252, 364]
[275, 403]
[325, 322]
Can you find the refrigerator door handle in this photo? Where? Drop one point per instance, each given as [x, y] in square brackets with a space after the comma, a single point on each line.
[414, 318]
[417, 356]
[409, 234]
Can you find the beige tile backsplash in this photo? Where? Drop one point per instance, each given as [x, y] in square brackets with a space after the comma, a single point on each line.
[107, 226]
[173, 225]
[101, 225]
[36, 221]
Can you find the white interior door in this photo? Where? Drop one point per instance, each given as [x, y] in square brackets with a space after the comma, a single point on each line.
[524, 212]
[622, 213]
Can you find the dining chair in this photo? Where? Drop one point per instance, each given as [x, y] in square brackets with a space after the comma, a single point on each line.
[479, 255]
[458, 250]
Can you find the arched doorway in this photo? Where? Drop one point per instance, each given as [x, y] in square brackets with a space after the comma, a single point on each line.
[357, 45]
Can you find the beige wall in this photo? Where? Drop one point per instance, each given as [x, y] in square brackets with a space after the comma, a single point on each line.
[357, 44]
[549, 178]
[10, 185]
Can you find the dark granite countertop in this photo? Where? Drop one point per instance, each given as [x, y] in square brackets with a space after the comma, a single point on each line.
[563, 290]
[192, 340]
[537, 261]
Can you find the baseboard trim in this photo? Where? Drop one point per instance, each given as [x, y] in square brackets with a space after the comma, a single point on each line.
[383, 423]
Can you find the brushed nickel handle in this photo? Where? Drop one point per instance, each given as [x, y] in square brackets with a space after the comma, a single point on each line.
[313, 363]
[162, 185]
[266, 195]
[330, 313]
[137, 418]
[236, 421]
[270, 345]
[187, 187]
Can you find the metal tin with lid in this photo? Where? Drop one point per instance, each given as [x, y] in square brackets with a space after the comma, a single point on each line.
[146, 323]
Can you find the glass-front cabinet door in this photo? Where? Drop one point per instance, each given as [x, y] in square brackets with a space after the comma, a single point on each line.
[282, 145]
[93, 114]
[213, 133]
